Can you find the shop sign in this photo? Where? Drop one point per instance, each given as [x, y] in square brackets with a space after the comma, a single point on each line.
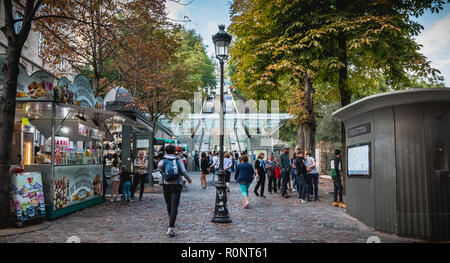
[76, 184]
[64, 92]
[97, 134]
[38, 86]
[26, 196]
[84, 96]
[359, 130]
[25, 121]
[79, 93]
[141, 144]
[83, 130]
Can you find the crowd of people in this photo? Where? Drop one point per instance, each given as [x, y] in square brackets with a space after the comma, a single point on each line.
[283, 174]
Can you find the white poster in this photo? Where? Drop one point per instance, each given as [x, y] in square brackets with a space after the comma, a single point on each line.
[358, 160]
[142, 144]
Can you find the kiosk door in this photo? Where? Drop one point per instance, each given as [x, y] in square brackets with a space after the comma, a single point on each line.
[437, 123]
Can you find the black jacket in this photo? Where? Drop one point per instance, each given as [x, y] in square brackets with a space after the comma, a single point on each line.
[300, 166]
[204, 166]
[125, 177]
[260, 167]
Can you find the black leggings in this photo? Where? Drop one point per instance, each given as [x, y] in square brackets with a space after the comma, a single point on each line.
[172, 194]
[272, 182]
[261, 183]
[139, 179]
[337, 189]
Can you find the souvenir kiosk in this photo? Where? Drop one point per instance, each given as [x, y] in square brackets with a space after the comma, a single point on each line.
[57, 134]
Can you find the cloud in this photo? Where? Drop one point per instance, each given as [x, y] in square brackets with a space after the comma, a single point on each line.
[436, 46]
[174, 10]
[212, 28]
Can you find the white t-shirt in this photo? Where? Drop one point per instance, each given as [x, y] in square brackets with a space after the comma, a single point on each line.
[115, 174]
[308, 162]
[216, 162]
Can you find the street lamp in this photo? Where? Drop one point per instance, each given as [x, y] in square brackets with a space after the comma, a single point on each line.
[222, 44]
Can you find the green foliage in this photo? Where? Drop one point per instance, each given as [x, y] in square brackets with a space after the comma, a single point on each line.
[288, 133]
[195, 60]
[280, 42]
[328, 128]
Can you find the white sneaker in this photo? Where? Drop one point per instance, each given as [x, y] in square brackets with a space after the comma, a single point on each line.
[112, 200]
[293, 190]
[303, 201]
[171, 232]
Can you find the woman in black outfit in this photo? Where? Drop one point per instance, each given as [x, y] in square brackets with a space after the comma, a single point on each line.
[204, 166]
[260, 168]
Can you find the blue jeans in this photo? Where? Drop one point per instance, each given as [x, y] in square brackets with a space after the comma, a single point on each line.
[294, 180]
[308, 186]
[213, 172]
[315, 182]
[126, 189]
[301, 187]
[279, 183]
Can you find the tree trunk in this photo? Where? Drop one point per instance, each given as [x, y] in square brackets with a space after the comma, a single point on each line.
[7, 113]
[95, 85]
[345, 97]
[8, 99]
[307, 129]
[151, 155]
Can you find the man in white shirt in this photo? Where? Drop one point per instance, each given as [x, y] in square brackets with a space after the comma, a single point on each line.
[215, 165]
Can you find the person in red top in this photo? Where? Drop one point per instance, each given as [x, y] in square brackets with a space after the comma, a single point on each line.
[278, 175]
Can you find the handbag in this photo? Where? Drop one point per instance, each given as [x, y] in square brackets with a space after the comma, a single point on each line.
[157, 175]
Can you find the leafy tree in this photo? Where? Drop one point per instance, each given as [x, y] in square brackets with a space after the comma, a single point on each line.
[265, 68]
[347, 49]
[89, 40]
[195, 60]
[160, 64]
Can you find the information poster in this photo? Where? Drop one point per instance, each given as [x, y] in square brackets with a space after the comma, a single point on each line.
[359, 160]
[76, 184]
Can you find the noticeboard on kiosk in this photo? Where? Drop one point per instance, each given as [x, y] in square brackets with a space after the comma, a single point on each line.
[358, 160]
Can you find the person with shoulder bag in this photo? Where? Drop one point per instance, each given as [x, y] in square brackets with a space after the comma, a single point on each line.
[260, 169]
[270, 167]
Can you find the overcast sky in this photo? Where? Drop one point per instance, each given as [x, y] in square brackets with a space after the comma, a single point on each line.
[206, 15]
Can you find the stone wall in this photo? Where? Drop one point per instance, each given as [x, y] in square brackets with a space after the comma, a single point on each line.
[324, 155]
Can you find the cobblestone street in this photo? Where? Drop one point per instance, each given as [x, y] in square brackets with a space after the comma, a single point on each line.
[273, 219]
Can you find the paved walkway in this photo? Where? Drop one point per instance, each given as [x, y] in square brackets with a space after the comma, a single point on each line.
[273, 219]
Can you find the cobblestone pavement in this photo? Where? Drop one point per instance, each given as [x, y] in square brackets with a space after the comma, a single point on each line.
[273, 219]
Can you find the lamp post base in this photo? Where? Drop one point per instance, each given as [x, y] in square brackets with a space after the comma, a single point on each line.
[221, 214]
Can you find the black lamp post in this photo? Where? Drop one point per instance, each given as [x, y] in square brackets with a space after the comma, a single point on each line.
[222, 44]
